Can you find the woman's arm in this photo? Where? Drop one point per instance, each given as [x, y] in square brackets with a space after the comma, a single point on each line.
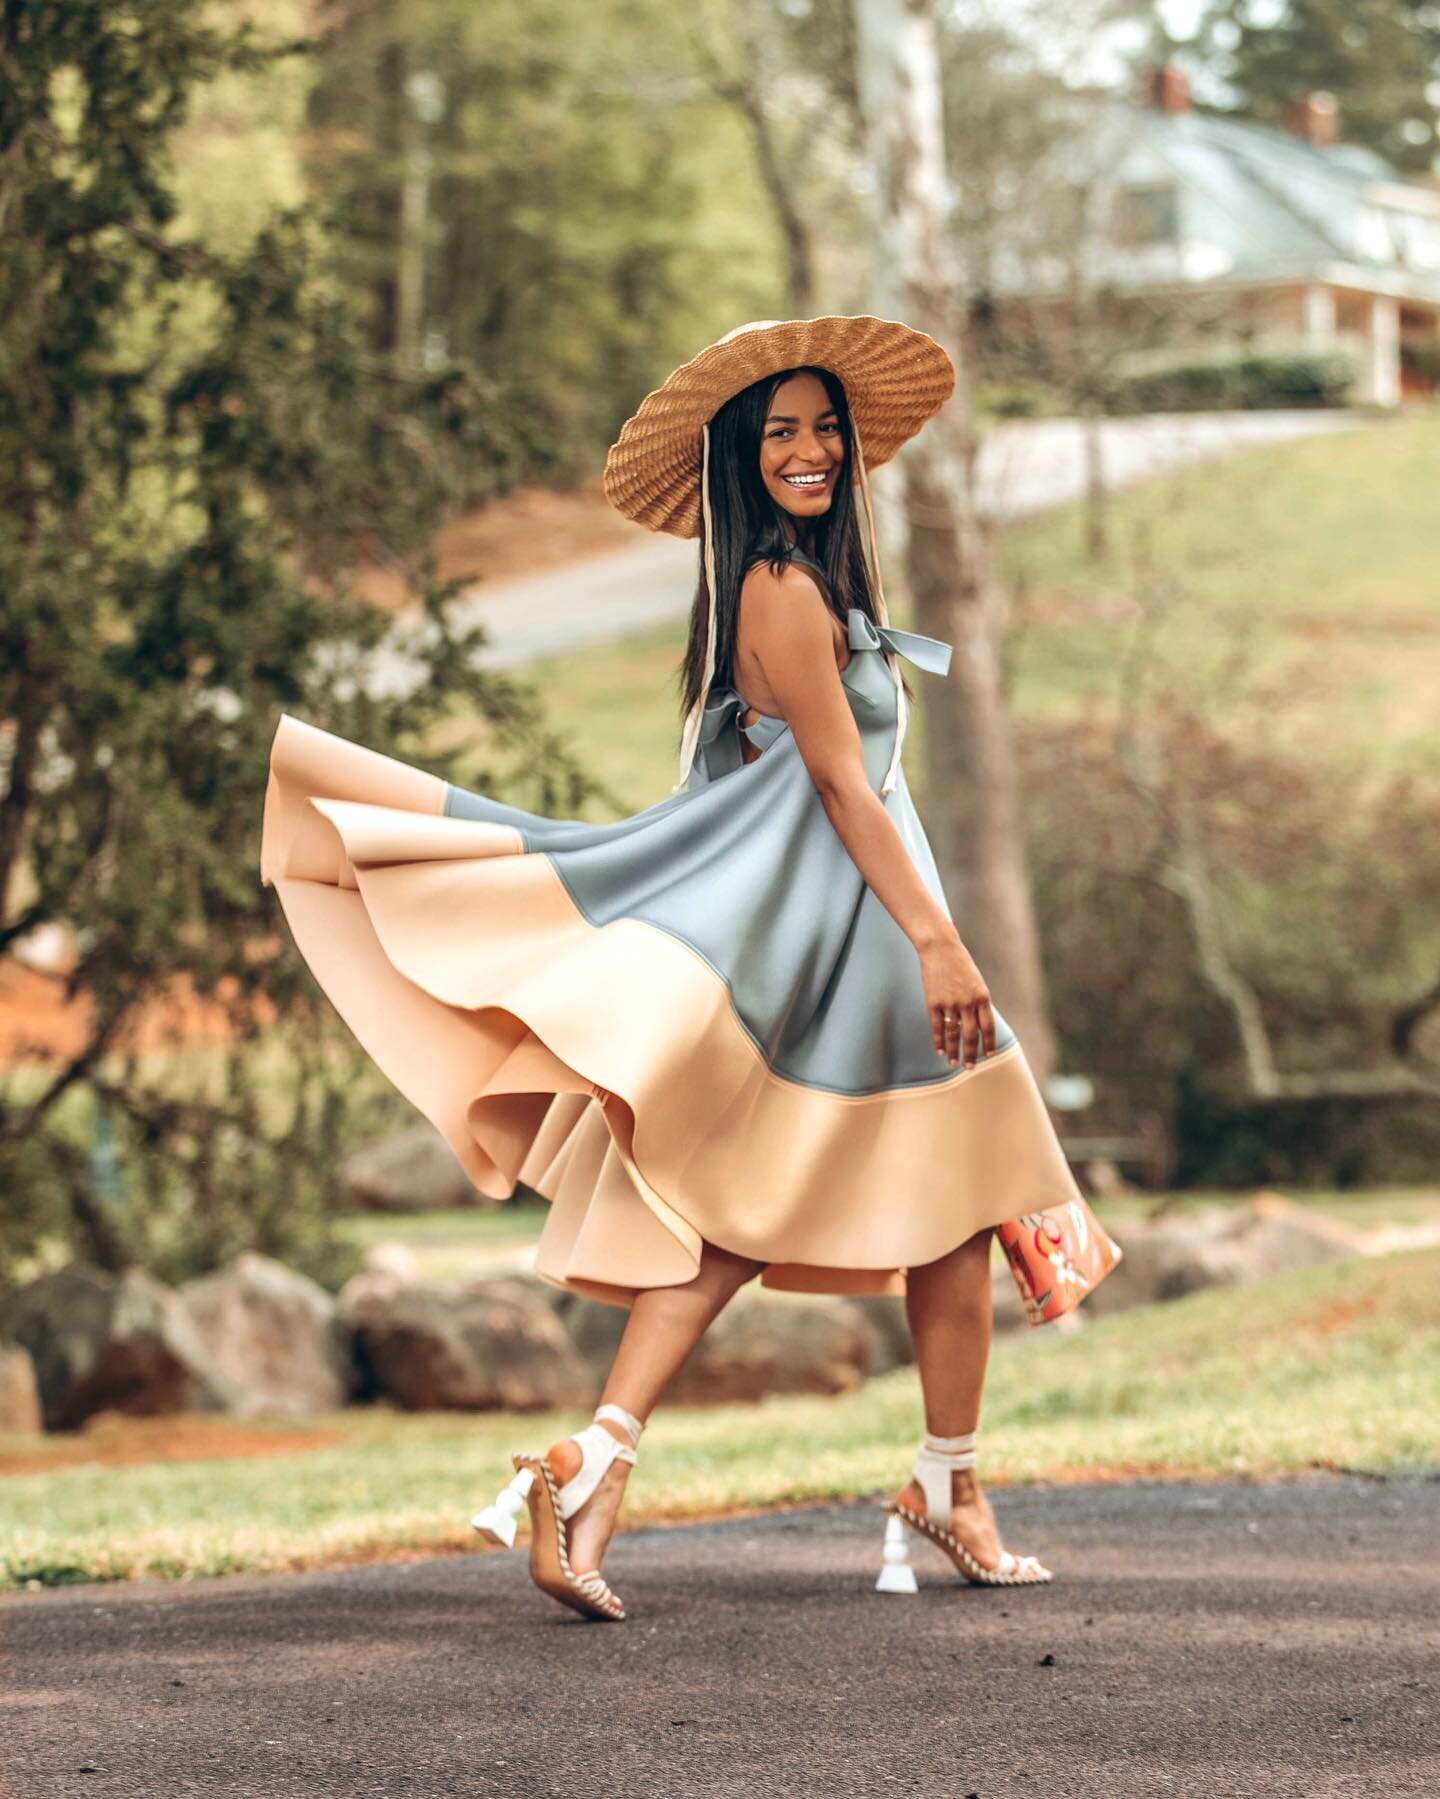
[787, 629]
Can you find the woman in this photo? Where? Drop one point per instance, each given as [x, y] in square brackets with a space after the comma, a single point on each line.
[737, 1034]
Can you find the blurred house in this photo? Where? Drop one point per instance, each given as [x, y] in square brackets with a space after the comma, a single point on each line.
[1239, 233]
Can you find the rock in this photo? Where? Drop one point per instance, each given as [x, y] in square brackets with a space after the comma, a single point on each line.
[1008, 1309]
[414, 1172]
[886, 1317]
[19, 1392]
[276, 1333]
[595, 1330]
[1170, 1257]
[482, 1346]
[1272, 1236]
[397, 1260]
[778, 1343]
[106, 1342]
[1104, 1180]
[1156, 1253]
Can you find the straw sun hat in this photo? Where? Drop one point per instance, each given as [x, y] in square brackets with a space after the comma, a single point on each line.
[895, 379]
[658, 469]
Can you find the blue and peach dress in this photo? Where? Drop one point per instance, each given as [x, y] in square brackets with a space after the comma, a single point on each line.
[694, 1024]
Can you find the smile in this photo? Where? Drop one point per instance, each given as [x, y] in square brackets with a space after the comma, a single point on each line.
[806, 483]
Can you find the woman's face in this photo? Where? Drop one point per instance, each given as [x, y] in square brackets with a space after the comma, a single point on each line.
[801, 447]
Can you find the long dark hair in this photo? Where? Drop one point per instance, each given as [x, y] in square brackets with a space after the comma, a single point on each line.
[749, 527]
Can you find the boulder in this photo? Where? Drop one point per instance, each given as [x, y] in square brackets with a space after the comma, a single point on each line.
[594, 1328]
[778, 1343]
[107, 1342]
[414, 1172]
[885, 1314]
[483, 1345]
[1008, 1309]
[1270, 1236]
[19, 1393]
[276, 1333]
[397, 1260]
[1170, 1257]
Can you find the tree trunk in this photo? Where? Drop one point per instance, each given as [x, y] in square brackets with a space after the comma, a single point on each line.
[1097, 491]
[739, 74]
[794, 231]
[972, 790]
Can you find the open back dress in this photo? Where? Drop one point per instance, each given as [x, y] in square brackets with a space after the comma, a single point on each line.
[694, 1024]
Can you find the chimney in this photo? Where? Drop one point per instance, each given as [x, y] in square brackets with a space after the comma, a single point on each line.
[1313, 117]
[1168, 89]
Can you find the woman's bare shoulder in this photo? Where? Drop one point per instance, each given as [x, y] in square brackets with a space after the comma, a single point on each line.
[763, 591]
[786, 614]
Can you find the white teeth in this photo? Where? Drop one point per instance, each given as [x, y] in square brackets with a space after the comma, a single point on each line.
[804, 480]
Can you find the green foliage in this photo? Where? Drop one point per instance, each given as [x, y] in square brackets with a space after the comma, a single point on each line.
[1422, 359]
[1234, 381]
[195, 445]
[1379, 58]
[549, 190]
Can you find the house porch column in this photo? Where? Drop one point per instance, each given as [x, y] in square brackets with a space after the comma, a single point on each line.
[1317, 315]
[1380, 377]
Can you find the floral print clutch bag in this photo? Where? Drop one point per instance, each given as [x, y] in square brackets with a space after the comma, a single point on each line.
[1057, 1257]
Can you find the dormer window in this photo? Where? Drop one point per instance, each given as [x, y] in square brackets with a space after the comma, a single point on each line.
[1146, 213]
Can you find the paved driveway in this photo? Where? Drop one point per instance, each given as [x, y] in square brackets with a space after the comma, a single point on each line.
[1223, 1642]
[1025, 467]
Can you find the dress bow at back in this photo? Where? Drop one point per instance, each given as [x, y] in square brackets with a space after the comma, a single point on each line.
[928, 653]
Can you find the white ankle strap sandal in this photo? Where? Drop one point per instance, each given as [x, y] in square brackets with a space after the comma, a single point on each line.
[551, 1505]
[936, 1461]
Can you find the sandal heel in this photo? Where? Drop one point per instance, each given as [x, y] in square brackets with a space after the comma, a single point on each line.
[896, 1574]
[497, 1523]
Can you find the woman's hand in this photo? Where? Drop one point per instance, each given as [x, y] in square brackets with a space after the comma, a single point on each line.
[958, 1002]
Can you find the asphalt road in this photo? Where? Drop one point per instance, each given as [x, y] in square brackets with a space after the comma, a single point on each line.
[1224, 1641]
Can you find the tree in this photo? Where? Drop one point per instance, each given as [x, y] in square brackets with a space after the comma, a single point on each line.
[971, 781]
[194, 443]
[1379, 58]
[546, 189]
[741, 55]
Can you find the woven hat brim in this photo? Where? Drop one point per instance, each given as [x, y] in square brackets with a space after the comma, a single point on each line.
[895, 378]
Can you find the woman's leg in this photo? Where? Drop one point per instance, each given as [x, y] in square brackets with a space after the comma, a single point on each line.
[948, 1303]
[665, 1324]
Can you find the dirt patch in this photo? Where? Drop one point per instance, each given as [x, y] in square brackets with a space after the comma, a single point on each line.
[110, 1440]
[524, 532]
[1343, 1313]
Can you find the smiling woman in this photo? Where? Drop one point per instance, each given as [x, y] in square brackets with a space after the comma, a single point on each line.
[775, 458]
[737, 1034]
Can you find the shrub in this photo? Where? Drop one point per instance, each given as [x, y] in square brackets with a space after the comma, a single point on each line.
[1246, 380]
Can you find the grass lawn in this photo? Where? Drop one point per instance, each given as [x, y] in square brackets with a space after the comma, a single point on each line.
[1287, 589]
[450, 1245]
[1325, 1368]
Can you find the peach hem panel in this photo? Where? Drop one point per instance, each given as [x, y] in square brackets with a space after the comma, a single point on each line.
[605, 1066]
